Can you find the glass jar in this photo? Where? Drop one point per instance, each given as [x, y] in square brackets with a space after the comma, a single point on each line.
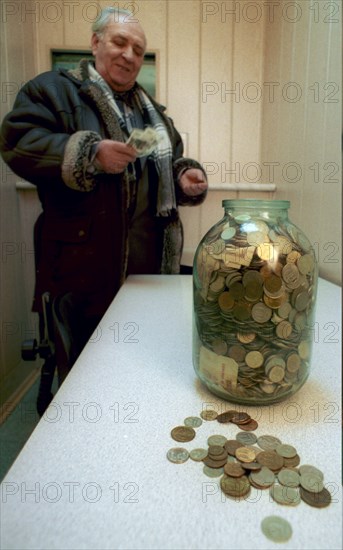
[254, 291]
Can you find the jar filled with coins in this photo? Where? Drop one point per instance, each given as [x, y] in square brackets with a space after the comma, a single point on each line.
[254, 291]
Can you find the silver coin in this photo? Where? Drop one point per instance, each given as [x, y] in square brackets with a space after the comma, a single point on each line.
[276, 529]
[217, 440]
[285, 495]
[213, 472]
[268, 442]
[309, 469]
[198, 454]
[178, 455]
[193, 421]
[247, 438]
[289, 478]
[311, 482]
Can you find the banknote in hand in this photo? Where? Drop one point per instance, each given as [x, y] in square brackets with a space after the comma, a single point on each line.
[144, 141]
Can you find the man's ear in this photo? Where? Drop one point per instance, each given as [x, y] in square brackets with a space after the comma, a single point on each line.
[94, 43]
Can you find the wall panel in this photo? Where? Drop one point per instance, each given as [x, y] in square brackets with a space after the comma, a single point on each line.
[302, 128]
[16, 321]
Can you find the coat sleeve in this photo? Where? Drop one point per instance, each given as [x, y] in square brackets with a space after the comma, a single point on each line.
[180, 166]
[39, 143]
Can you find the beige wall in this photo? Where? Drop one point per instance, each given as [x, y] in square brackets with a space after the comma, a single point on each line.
[282, 67]
[302, 125]
[16, 321]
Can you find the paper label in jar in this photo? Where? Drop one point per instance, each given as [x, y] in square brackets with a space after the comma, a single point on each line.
[218, 369]
[240, 255]
[206, 265]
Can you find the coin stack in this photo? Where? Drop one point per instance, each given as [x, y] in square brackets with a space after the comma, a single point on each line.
[254, 296]
[249, 461]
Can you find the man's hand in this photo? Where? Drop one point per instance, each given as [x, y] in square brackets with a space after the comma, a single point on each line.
[193, 182]
[114, 156]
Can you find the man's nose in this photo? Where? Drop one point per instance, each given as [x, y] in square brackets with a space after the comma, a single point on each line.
[128, 53]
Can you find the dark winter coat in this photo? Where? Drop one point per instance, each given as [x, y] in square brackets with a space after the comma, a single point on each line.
[82, 235]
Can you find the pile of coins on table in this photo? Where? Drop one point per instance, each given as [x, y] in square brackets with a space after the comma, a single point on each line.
[248, 461]
[254, 294]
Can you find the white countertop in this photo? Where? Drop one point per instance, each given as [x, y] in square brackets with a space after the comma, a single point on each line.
[94, 473]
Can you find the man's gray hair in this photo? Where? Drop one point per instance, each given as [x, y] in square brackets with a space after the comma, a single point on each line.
[110, 15]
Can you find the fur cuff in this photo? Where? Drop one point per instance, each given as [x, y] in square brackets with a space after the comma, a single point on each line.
[180, 166]
[77, 170]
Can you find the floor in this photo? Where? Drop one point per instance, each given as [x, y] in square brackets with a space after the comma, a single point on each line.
[17, 428]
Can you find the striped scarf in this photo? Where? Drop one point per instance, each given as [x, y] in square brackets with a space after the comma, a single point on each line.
[162, 155]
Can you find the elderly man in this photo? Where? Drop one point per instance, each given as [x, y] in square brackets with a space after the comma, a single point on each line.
[107, 210]
[107, 213]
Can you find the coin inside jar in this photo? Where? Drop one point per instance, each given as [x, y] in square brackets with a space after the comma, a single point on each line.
[261, 313]
[254, 359]
[273, 284]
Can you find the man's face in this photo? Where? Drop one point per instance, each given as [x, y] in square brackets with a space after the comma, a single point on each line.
[119, 53]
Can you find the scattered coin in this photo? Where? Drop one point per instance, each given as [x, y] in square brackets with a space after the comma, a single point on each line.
[268, 442]
[308, 469]
[216, 450]
[285, 495]
[311, 482]
[256, 450]
[217, 440]
[286, 451]
[183, 433]
[291, 462]
[233, 469]
[193, 421]
[198, 454]
[215, 462]
[263, 478]
[246, 438]
[276, 529]
[251, 466]
[235, 487]
[225, 417]
[249, 426]
[231, 445]
[213, 472]
[240, 418]
[270, 459]
[245, 455]
[208, 414]
[322, 499]
[178, 455]
[240, 465]
[289, 478]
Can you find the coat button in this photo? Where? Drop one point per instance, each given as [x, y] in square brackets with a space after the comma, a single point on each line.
[81, 233]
